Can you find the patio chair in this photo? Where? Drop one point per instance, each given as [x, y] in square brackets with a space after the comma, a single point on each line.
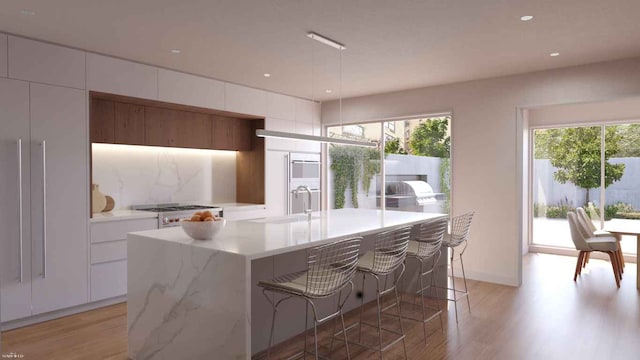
[586, 219]
[586, 243]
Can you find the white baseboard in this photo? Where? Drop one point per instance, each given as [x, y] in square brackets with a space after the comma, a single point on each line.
[14, 324]
[486, 277]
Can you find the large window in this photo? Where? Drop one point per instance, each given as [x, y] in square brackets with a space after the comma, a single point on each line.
[410, 170]
[567, 173]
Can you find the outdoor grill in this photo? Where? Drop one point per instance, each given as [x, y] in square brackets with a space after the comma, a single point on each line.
[414, 195]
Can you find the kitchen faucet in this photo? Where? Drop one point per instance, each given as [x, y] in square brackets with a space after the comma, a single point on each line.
[308, 209]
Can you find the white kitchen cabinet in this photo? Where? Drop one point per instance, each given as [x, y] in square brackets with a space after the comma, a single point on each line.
[54, 198]
[281, 106]
[108, 275]
[117, 230]
[15, 250]
[181, 88]
[46, 63]
[276, 165]
[280, 125]
[108, 280]
[115, 76]
[3, 55]
[59, 197]
[245, 100]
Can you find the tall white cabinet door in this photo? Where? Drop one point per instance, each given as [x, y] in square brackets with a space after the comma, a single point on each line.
[59, 197]
[15, 247]
[276, 165]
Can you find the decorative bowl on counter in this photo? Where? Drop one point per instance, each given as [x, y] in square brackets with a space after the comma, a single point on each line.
[202, 230]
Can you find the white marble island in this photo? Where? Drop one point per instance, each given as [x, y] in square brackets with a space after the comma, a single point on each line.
[192, 299]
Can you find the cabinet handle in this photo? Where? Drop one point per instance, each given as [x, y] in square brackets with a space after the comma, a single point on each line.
[44, 209]
[20, 205]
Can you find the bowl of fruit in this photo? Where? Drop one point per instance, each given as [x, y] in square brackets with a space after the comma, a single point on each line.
[202, 225]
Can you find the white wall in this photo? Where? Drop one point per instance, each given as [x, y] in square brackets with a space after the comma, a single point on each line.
[135, 175]
[624, 109]
[486, 158]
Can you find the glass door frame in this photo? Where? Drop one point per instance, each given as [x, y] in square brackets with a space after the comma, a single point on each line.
[530, 181]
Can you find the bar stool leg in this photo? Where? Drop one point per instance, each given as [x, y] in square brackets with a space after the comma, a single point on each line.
[379, 315]
[344, 333]
[464, 278]
[273, 323]
[424, 316]
[435, 286]
[306, 327]
[404, 340]
[361, 311]
[453, 282]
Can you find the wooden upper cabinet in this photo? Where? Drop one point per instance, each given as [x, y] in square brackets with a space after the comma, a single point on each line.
[244, 134]
[175, 128]
[118, 121]
[161, 126]
[194, 131]
[129, 124]
[222, 133]
[231, 134]
[102, 115]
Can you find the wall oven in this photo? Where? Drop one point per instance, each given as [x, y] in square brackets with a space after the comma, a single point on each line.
[303, 170]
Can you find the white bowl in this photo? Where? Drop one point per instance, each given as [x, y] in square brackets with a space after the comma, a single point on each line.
[202, 230]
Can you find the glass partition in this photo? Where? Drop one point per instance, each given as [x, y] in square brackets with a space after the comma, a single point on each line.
[417, 164]
[622, 194]
[354, 170]
[566, 174]
[416, 172]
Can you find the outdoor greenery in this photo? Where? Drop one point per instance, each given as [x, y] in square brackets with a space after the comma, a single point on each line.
[611, 211]
[629, 140]
[559, 211]
[350, 164]
[393, 147]
[575, 152]
[430, 138]
[445, 168]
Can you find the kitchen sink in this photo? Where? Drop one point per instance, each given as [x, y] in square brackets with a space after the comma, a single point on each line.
[285, 219]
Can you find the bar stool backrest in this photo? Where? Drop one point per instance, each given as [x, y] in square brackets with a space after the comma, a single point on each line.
[331, 267]
[460, 226]
[390, 250]
[430, 235]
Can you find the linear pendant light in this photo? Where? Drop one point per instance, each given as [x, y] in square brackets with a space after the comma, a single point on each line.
[323, 139]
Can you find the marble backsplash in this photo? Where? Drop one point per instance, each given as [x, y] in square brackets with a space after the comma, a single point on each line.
[135, 175]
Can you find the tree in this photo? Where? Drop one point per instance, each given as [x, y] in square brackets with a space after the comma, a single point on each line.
[430, 138]
[575, 152]
[393, 147]
[629, 140]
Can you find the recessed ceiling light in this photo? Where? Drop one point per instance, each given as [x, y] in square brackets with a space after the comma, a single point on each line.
[27, 12]
[526, 18]
[176, 51]
[554, 54]
[267, 75]
[328, 91]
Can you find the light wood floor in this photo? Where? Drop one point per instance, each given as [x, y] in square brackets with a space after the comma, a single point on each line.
[549, 317]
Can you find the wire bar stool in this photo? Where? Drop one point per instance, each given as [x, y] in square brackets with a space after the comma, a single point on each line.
[330, 271]
[387, 259]
[425, 249]
[458, 234]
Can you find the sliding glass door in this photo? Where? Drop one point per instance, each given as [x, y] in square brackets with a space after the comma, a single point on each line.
[571, 167]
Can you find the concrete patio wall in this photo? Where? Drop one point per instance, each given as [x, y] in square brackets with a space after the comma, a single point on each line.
[550, 192]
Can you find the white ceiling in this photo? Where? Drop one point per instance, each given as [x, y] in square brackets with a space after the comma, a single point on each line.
[391, 45]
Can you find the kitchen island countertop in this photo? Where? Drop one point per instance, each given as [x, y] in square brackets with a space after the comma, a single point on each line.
[276, 235]
[190, 299]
